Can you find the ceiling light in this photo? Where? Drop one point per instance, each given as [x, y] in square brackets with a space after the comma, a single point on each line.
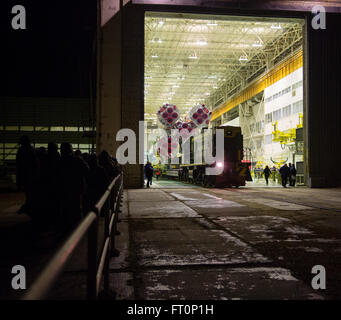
[215, 87]
[201, 43]
[274, 26]
[212, 77]
[154, 56]
[243, 58]
[175, 86]
[159, 41]
[257, 44]
[212, 24]
[161, 23]
[193, 57]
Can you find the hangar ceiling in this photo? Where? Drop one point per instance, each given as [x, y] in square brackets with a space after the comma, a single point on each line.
[193, 59]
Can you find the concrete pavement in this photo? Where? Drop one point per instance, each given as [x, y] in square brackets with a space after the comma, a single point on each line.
[180, 241]
[247, 243]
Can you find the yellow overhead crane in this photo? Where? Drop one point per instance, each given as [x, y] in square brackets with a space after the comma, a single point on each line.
[283, 137]
[287, 136]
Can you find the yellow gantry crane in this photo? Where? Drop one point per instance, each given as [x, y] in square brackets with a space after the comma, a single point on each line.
[287, 136]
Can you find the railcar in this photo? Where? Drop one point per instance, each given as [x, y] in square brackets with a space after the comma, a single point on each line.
[234, 171]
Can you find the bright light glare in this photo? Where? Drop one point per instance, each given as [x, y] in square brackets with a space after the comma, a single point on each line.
[201, 43]
[220, 164]
[257, 44]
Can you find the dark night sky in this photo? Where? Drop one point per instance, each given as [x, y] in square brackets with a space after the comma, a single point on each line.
[54, 56]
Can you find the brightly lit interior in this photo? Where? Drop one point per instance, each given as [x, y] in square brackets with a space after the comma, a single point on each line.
[247, 70]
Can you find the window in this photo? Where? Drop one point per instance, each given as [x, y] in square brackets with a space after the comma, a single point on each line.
[71, 129]
[268, 99]
[268, 139]
[277, 114]
[57, 128]
[286, 111]
[297, 107]
[268, 117]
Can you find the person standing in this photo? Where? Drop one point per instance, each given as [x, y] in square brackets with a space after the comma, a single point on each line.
[158, 173]
[292, 176]
[289, 174]
[27, 175]
[73, 177]
[284, 171]
[266, 174]
[148, 171]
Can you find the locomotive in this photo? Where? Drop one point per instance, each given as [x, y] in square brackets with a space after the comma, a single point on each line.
[234, 173]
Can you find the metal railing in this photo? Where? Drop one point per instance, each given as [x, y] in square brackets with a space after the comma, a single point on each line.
[108, 207]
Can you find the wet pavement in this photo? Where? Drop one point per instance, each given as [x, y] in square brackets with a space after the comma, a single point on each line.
[247, 243]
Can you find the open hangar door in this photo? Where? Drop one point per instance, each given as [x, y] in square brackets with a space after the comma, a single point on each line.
[321, 95]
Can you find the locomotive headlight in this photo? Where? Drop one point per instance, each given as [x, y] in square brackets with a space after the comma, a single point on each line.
[220, 164]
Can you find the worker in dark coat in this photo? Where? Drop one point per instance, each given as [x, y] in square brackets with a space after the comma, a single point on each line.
[284, 171]
[292, 176]
[148, 171]
[27, 175]
[267, 173]
[98, 180]
[73, 174]
[53, 182]
[105, 160]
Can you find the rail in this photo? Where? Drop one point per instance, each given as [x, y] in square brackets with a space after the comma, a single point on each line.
[108, 207]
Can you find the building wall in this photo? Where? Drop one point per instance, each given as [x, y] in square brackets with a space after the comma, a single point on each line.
[322, 103]
[323, 114]
[44, 120]
[287, 106]
[121, 88]
[133, 86]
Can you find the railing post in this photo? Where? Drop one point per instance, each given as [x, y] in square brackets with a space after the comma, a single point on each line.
[114, 252]
[107, 258]
[92, 260]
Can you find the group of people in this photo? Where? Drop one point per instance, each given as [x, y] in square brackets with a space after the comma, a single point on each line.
[286, 172]
[61, 187]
